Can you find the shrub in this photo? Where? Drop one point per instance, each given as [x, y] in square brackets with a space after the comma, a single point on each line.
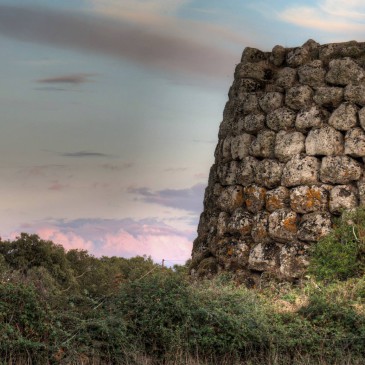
[339, 255]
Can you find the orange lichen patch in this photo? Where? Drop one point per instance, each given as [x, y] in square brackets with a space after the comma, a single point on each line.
[246, 229]
[260, 233]
[273, 203]
[308, 199]
[230, 251]
[313, 197]
[290, 224]
[238, 199]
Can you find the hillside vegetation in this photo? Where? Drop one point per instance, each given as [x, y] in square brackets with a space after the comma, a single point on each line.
[60, 307]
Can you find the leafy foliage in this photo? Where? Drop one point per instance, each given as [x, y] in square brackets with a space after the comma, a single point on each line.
[340, 255]
[72, 308]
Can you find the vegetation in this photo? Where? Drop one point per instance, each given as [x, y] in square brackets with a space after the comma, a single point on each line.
[60, 307]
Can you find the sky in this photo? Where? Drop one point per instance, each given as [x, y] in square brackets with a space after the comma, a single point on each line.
[110, 111]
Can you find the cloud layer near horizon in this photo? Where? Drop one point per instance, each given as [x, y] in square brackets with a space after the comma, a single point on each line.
[150, 47]
[124, 237]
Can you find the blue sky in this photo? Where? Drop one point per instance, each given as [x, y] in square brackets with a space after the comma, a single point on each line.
[111, 108]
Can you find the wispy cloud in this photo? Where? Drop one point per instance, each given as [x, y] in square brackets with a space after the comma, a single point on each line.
[333, 16]
[73, 79]
[87, 154]
[189, 199]
[126, 39]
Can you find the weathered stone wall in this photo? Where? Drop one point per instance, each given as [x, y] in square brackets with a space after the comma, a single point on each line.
[289, 159]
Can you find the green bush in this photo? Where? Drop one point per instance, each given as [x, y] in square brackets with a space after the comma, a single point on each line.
[340, 255]
[25, 323]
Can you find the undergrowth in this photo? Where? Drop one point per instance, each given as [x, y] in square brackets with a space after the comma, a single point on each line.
[72, 308]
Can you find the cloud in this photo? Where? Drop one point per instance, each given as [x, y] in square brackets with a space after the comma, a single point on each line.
[190, 199]
[333, 16]
[73, 79]
[154, 47]
[125, 237]
[115, 167]
[83, 154]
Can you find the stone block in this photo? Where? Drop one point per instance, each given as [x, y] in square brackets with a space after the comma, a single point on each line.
[227, 173]
[230, 198]
[281, 119]
[355, 94]
[264, 257]
[226, 149]
[252, 55]
[277, 56]
[261, 70]
[312, 74]
[268, 173]
[254, 198]
[222, 223]
[344, 117]
[361, 115]
[299, 97]
[283, 225]
[361, 191]
[243, 86]
[263, 146]
[286, 77]
[355, 142]
[260, 227]
[314, 226]
[240, 146]
[339, 50]
[294, 260]
[305, 199]
[249, 103]
[312, 117]
[251, 123]
[277, 199]
[344, 71]
[301, 55]
[240, 222]
[324, 141]
[329, 96]
[271, 101]
[246, 173]
[301, 170]
[340, 170]
[288, 144]
[343, 197]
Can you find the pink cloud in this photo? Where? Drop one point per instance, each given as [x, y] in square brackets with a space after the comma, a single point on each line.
[124, 238]
[68, 240]
[172, 247]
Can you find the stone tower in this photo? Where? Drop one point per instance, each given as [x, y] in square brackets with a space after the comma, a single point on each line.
[288, 160]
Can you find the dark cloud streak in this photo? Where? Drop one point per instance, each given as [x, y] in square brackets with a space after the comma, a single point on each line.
[74, 79]
[137, 43]
[85, 154]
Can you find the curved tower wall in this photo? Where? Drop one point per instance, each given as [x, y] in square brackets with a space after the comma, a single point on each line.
[288, 160]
